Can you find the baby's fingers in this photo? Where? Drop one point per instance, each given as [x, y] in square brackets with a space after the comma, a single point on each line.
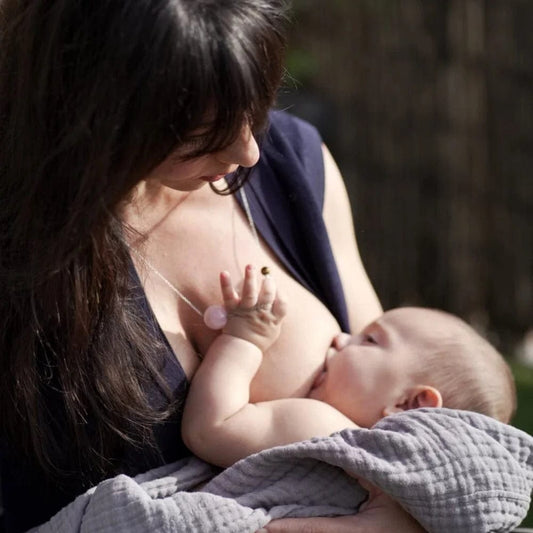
[249, 288]
[270, 298]
[229, 294]
[267, 294]
[279, 307]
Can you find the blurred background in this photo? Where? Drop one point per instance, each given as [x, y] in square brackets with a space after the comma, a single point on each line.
[427, 107]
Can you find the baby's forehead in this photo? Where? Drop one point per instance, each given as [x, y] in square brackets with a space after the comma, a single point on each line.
[416, 323]
[414, 315]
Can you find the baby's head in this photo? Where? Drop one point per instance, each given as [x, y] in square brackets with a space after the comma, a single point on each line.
[466, 369]
[414, 357]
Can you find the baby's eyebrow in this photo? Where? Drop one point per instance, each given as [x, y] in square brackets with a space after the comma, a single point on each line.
[381, 330]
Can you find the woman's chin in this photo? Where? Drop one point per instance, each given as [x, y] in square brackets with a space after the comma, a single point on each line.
[184, 185]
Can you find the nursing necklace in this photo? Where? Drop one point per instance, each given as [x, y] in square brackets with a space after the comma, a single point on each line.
[215, 316]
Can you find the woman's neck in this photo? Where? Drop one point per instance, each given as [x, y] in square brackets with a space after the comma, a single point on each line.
[150, 204]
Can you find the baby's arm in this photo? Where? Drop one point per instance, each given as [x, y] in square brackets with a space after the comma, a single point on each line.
[219, 424]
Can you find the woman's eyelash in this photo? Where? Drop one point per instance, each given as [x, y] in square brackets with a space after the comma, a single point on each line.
[194, 142]
[188, 148]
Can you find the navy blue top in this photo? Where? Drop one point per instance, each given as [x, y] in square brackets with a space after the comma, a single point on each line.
[286, 195]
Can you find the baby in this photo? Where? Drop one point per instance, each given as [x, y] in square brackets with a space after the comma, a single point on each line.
[408, 358]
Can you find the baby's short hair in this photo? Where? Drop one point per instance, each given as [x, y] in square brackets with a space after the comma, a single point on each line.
[467, 370]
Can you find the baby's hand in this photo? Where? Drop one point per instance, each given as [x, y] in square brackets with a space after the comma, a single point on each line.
[255, 316]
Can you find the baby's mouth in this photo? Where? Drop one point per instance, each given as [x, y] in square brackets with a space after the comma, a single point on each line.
[319, 380]
[324, 370]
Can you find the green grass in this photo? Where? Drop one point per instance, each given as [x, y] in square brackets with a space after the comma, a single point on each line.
[524, 414]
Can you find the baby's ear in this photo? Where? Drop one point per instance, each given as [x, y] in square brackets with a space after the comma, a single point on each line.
[417, 396]
[424, 396]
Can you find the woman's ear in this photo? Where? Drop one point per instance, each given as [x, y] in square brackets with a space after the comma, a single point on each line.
[417, 396]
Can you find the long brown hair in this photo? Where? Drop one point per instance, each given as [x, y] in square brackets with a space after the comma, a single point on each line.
[93, 95]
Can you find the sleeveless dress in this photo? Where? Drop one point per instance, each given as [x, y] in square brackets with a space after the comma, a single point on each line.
[286, 194]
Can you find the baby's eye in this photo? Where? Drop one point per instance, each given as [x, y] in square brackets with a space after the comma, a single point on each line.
[369, 339]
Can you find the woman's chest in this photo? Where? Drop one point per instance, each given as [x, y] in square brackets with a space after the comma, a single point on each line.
[190, 253]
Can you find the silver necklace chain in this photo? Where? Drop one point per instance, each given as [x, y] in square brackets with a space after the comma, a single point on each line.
[170, 285]
[165, 281]
[246, 206]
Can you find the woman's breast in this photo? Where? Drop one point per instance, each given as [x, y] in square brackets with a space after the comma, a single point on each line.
[292, 363]
[224, 242]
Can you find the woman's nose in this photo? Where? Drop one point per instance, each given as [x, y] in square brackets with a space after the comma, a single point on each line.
[243, 151]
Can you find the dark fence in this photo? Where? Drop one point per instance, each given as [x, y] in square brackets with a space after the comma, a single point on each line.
[428, 108]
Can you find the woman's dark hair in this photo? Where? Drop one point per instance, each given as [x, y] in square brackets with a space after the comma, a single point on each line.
[93, 95]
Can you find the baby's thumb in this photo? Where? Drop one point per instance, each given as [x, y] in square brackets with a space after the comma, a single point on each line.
[279, 307]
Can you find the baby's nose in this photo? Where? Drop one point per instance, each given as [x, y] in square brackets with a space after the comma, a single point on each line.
[341, 340]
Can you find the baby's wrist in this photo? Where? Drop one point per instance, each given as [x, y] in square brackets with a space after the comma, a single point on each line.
[246, 343]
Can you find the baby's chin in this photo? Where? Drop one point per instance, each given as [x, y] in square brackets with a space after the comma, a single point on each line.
[316, 392]
[317, 388]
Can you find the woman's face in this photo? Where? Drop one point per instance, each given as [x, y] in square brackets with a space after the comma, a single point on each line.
[183, 174]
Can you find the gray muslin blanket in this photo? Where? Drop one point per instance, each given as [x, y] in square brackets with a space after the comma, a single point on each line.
[454, 471]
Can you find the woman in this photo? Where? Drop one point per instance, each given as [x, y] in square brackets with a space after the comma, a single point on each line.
[114, 119]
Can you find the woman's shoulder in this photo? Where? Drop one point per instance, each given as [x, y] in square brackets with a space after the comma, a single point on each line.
[303, 137]
[294, 147]
[294, 127]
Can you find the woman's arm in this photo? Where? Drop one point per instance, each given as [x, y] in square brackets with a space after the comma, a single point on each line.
[219, 424]
[363, 304]
[379, 514]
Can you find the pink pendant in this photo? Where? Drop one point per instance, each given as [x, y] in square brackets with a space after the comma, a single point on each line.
[215, 317]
